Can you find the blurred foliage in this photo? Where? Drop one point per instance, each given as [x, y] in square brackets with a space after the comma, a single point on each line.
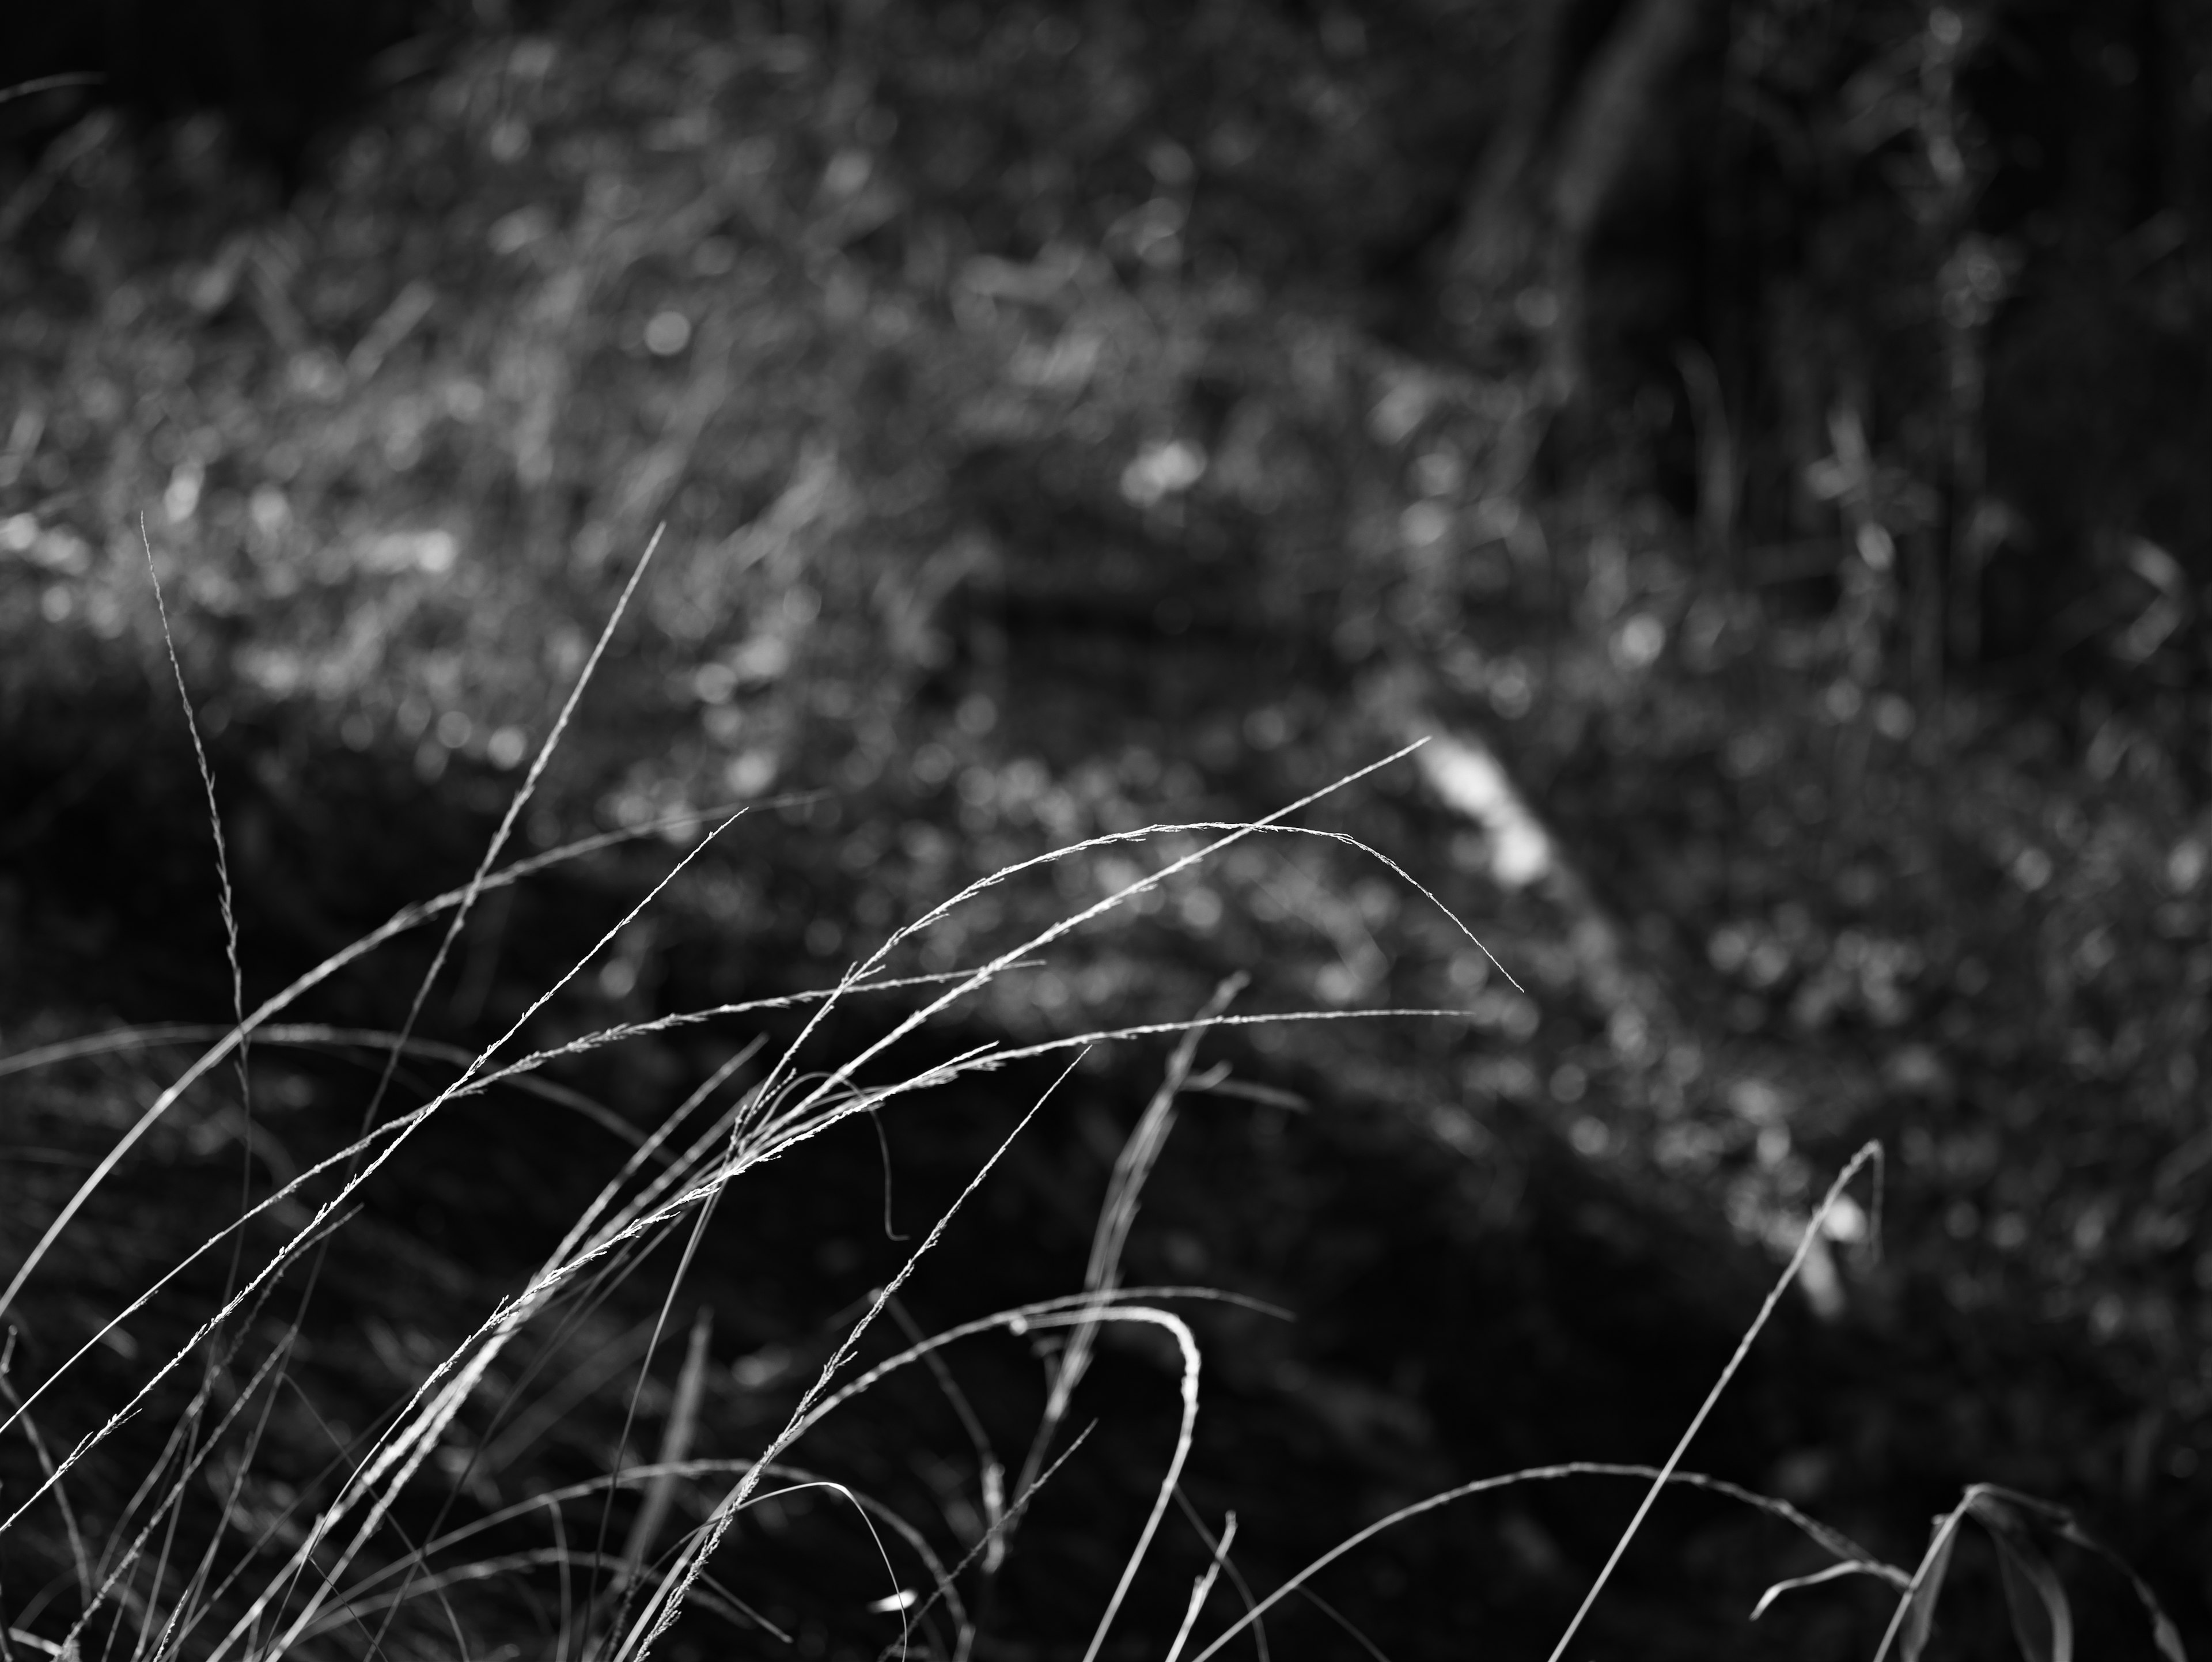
[1067, 417]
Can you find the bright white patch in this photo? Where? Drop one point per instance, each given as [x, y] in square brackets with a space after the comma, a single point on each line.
[750, 774]
[1847, 1221]
[1161, 471]
[669, 334]
[1424, 524]
[506, 746]
[1469, 779]
[1640, 642]
[1822, 1283]
[182, 499]
[2184, 866]
[432, 553]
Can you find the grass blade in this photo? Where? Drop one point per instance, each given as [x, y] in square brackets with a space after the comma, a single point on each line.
[1872, 1151]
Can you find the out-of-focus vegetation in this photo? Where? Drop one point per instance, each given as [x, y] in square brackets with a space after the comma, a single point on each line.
[1764, 442]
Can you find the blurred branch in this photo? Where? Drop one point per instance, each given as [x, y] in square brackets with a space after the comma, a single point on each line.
[1535, 204]
[1613, 108]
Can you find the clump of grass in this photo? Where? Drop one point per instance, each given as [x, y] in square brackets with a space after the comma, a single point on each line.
[336, 1559]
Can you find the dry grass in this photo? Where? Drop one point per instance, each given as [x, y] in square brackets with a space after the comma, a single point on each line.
[340, 1572]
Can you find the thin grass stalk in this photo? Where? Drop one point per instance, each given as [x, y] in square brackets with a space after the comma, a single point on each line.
[675, 1445]
[400, 1131]
[1118, 1215]
[515, 804]
[395, 1131]
[994, 1536]
[1202, 1587]
[79, 1559]
[112, 1578]
[380, 1464]
[1932, 1564]
[842, 1075]
[398, 923]
[822, 1103]
[512, 813]
[172, 1500]
[361, 1603]
[1831, 1539]
[223, 890]
[1185, 1432]
[1229, 1566]
[551, 1500]
[667, 1598]
[1812, 1233]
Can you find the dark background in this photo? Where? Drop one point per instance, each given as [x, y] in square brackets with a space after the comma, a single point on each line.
[1773, 432]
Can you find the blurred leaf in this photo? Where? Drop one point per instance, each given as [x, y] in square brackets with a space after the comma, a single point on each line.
[2164, 1633]
[1833, 1573]
[1915, 1616]
[2042, 1620]
[2041, 1616]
